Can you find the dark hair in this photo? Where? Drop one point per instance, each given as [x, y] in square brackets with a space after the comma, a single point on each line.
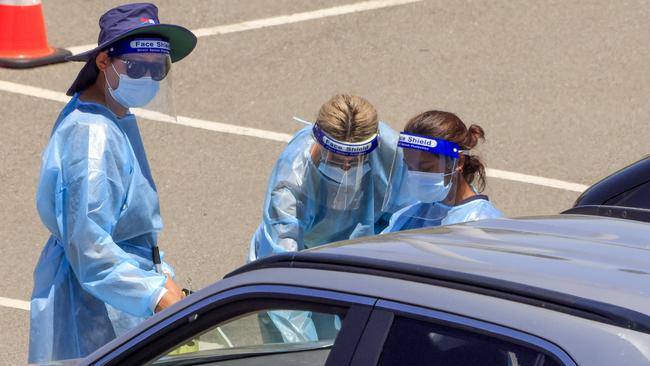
[86, 77]
[447, 126]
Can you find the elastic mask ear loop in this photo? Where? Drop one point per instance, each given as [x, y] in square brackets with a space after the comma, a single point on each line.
[110, 88]
[455, 171]
[458, 169]
[466, 154]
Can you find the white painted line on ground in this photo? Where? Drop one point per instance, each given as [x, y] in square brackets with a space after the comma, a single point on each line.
[33, 91]
[532, 179]
[301, 17]
[14, 304]
[41, 93]
[213, 126]
[282, 19]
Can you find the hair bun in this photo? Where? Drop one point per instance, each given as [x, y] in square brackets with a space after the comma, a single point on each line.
[474, 134]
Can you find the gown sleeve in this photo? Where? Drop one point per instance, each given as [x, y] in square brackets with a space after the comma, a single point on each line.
[283, 216]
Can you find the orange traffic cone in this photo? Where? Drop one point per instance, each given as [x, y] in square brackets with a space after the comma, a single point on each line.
[23, 41]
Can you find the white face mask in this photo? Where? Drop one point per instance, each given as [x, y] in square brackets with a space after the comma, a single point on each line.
[133, 93]
[345, 195]
[427, 187]
[344, 177]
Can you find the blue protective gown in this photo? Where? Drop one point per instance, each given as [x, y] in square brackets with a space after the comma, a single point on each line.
[95, 277]
[296, 213]
[421, 215]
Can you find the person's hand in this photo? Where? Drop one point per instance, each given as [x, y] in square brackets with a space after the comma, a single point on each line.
[173, 295]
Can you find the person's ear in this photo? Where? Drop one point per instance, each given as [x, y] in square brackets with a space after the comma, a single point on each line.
[102, 60]
[461, 163]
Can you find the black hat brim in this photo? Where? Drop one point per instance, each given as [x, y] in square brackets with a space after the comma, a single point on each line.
[182, 41]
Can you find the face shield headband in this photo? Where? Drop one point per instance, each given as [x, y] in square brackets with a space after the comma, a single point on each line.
[345, 148]
[428, 144]
[139, 45]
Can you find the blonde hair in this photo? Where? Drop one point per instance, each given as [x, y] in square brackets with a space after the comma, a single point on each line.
[348, 118]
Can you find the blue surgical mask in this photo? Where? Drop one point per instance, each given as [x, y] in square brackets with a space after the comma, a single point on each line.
[427, 187]
[133, 93]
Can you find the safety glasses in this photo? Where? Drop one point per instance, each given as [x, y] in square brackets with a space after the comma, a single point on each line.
[136, 69]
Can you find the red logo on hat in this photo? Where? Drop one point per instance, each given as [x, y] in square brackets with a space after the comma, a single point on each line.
[144, 20]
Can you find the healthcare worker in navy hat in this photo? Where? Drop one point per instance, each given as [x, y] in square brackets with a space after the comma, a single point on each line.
[100, 272]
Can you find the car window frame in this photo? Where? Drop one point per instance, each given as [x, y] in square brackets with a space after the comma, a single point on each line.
[147, 345]
[384, 313]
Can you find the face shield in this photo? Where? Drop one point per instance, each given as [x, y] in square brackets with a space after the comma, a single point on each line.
[139, 77]
[424, 187]
[342, 167]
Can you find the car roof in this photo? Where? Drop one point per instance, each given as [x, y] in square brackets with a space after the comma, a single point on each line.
[590, 264]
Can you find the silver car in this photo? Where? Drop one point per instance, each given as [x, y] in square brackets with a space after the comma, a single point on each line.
[556, 290]
[569, 289]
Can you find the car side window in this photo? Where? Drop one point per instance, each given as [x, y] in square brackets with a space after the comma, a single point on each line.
[257, 335]
[250, 325]
[416, 342]
[637, 197]
[297, 334]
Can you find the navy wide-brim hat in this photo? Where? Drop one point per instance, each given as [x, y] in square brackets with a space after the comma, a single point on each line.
[124, 22]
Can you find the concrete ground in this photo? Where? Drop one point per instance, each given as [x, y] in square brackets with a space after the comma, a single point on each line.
[561, 89]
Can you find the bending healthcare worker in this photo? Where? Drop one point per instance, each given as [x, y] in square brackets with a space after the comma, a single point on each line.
[436, 185]
[329, 182]
[97, 275]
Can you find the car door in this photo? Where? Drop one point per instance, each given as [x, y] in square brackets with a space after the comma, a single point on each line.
[400, 334]
[253, 325]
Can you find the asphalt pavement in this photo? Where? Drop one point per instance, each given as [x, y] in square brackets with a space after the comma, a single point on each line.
[561, 89]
